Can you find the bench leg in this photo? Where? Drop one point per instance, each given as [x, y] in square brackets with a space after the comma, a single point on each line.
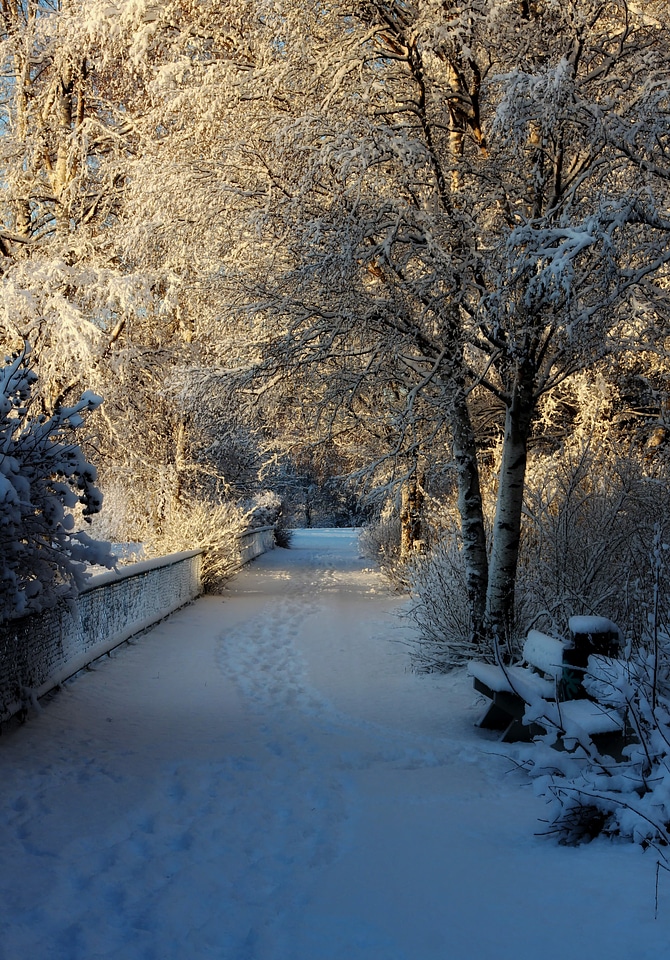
[518, 732]
[505, 713]
[495, 718]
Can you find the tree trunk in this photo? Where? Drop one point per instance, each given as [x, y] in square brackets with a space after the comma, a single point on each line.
[509, 506]
[411, 513]
[61, 175]
[180, 457]
[472, 516]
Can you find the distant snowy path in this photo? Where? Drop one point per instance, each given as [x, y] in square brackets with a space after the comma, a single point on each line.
[261, 778]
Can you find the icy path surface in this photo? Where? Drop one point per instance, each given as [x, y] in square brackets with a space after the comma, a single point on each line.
[261, 778]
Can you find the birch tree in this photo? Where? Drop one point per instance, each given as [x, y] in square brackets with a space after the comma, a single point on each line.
[474, 200]
[386, 209]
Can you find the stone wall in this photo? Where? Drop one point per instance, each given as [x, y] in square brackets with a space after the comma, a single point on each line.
[40, 651]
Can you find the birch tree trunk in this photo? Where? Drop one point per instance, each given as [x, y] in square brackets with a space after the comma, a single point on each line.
[509, 506]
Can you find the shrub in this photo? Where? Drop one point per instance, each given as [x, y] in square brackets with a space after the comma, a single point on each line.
[589, 520]
[283, 535]
[201, 525]
[263, 509]
[379, 541]
[149, 513]
[440, 609]
[44, 479]
[590, 793]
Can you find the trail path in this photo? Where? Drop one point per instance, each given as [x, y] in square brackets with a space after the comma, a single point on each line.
[260, 777]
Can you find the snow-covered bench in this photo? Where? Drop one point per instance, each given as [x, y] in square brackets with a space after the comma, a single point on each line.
[512, 688]
[545, 692]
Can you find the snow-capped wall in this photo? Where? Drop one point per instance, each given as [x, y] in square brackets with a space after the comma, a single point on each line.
[40, 651]
[255, 542]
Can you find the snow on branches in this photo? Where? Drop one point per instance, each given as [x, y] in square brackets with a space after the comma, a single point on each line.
[44, 478]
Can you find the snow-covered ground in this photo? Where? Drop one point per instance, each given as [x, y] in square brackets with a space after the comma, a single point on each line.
[260, 777]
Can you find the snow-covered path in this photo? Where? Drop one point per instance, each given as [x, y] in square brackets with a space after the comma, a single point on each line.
[261, 778]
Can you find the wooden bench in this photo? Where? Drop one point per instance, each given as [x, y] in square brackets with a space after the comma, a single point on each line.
[545, 692]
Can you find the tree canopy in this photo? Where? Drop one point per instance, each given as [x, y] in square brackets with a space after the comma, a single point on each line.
[402, 228]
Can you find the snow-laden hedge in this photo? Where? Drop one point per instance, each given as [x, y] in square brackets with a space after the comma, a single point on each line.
[44, 477]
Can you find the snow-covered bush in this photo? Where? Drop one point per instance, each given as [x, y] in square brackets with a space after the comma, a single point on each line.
[201, 525]
[151, 514]
[440, 609]
[590, 793]
[380, 541]
[44, 478]
[263, 509]
[283, 533]
[589, 517]
[267, 509]
[589, 520]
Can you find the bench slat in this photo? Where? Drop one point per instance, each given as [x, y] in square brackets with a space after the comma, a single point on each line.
[519, 680]
[544, 652]
[591, 718]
